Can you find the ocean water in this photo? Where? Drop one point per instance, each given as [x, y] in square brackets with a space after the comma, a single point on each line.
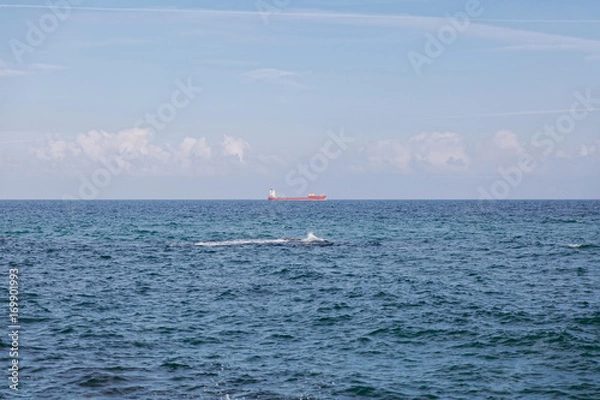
[303, 300]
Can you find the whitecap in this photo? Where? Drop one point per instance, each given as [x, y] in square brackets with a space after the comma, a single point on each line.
[236, 242]
[310, 238]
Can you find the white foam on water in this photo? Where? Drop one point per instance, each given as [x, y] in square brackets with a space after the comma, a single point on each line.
[236, 242]
[310, 238]
[575, 246]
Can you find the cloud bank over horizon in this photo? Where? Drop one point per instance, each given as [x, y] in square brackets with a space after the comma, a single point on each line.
[431, 152]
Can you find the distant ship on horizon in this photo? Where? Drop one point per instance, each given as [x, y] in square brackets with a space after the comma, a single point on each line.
[311, 196]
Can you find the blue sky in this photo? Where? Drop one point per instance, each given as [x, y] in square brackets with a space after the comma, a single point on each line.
[356, 99]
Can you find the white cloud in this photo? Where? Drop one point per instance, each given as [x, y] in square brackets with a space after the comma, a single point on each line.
[93, 144]
[133, 148]
[192, 147]
[130, 147]
[507, 140]
[436, 152]
[429, 152]
[560, 153]
[388, 153]
[97, 145]
[57, 150]
[590, 150]
[441, 151]
[503, 146]
[234, 147]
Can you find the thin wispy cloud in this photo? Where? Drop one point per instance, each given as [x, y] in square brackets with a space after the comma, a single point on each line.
[48, 67]
[274, 76]
[293, 13]
[7, 71]
[115, 41]
[516, 39]
[229, 63]
[135, 9]
[521, 39]
[511, 113]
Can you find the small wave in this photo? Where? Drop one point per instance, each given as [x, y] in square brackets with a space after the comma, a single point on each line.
[241, 241]
[581, 245]
[310, 238]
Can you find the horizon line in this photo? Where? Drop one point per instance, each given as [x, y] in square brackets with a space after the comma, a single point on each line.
[307, 201]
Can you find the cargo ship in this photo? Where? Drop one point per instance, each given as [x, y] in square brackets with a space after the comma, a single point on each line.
[312, 196]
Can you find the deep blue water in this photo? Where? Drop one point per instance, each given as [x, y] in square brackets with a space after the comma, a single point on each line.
[384, 300]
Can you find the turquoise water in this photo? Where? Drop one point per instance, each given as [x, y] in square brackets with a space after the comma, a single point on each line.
[304, 300]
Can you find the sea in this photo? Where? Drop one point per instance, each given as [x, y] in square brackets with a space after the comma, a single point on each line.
[335, 299]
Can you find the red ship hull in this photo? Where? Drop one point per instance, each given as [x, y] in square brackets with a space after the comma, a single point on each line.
[309, 198]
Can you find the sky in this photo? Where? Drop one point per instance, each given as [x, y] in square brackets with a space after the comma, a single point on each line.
[385, 99]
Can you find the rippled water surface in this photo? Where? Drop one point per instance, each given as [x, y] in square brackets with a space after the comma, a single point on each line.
[304, 300]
